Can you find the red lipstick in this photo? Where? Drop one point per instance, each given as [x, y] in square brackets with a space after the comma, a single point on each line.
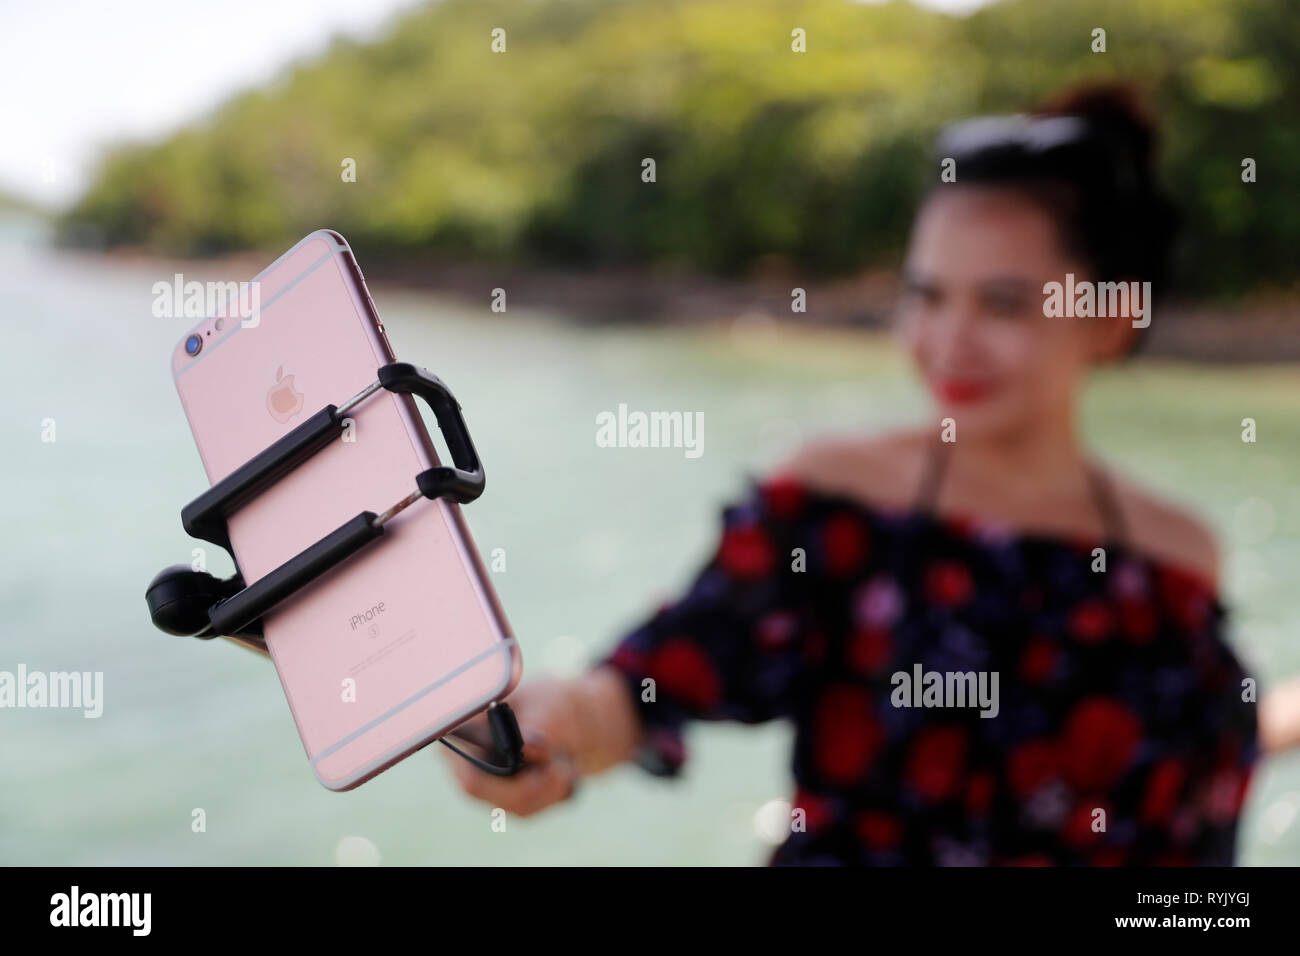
[959, 391]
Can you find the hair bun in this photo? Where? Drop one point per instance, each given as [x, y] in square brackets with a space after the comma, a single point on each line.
[1149, 219]
[1113, 211]
[1114, 107]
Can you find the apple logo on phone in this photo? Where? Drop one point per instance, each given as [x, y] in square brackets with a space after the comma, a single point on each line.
[283, 401]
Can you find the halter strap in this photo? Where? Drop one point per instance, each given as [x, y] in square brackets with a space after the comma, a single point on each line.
[1107, 500]
[936, 467]
[1099, 484]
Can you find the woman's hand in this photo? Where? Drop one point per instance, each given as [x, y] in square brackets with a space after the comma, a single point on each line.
[570, 729]
[1279, 717]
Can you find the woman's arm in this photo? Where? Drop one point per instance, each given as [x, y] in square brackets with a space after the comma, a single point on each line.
[610, 731]
[1279, 717]
[729, 648]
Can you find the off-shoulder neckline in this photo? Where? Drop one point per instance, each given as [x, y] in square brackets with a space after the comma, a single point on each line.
[949, 522]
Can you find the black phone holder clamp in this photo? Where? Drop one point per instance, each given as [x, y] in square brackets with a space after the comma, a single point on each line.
[184, 601]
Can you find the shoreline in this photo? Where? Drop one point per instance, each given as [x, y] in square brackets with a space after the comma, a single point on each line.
[1263, 328]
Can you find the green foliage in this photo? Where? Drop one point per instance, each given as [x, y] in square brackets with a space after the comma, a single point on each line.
[816, 158]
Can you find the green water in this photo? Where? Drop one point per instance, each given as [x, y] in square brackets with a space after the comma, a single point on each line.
[594, 538]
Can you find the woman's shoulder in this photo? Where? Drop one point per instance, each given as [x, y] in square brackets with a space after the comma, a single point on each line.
[1166, 532]
[881, 470]
[885, 472]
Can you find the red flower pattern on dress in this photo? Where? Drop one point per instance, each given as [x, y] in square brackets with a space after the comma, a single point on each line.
[684, 671]
[1101, 739]
[878, 830]
[783, 495]
[1092, 622]
[949, 583]
[1087, 661]
[845, 541]
[1030, 765]
[937, 762]
[817, 811]
[1039, 660]
[1163, 790]
[746, 552]
[846, 734]
[1138, 621]
[870, 649]
[981, 788]
[1085, 824]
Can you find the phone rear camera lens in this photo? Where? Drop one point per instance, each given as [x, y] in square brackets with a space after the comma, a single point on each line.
[193, 344]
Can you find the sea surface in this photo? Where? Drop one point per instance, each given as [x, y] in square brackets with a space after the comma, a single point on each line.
[594, 538]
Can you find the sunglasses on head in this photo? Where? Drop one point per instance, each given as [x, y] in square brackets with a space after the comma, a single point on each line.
[1072, 147]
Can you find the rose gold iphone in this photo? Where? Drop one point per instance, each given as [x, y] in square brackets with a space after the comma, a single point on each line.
[405, 639]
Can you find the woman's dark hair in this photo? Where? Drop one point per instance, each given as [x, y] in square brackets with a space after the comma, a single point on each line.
[1087, 155]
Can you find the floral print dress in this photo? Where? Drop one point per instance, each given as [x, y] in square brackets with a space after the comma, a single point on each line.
[1121, 736]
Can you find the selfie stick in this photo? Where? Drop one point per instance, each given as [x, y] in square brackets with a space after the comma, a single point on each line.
[183, 601]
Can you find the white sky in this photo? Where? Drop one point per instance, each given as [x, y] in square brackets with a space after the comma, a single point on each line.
[77, 74]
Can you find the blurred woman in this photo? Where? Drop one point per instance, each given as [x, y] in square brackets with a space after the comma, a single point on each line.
[865, 586]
